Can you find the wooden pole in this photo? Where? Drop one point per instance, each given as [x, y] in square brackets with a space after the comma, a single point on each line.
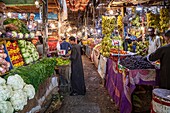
[45, 29]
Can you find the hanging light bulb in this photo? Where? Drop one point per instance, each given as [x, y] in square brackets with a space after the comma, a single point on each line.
[37, 3]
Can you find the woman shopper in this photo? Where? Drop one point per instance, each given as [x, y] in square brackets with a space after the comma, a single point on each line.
[163, 54]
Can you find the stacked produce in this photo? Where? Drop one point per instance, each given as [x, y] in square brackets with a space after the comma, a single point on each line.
[14, 94]
[106, 46]
[4, 65]
[136, 21]
[116, 51]
[136, 62]
[141, 48]
[108, 25]
[120, 23]
[153, 20]
[14, 53]
[164, 19]
[62, 62]
[15, 28]
[36, 73]
[29, 51]
[20, 26]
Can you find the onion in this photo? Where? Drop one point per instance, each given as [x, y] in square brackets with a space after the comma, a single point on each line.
[8, 34]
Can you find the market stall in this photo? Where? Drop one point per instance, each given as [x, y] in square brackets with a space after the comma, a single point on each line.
[121, 83]
[27, 81]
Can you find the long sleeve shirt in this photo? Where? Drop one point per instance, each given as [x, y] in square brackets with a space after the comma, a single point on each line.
[65, 46]
[163, 54]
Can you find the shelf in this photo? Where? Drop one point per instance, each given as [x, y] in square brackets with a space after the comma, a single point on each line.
[17, 39]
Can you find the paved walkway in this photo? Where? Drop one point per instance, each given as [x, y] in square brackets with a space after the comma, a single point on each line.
[96, 99]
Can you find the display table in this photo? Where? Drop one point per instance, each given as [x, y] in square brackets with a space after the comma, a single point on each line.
[121, 83]
[95, 57]
[46, 89]
[88, 51]
[102, 66]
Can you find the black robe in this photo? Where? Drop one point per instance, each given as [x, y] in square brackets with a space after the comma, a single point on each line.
[163, 53]
[77, 74]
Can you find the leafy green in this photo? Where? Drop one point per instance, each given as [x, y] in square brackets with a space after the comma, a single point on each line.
[36, 73]
[18, 23]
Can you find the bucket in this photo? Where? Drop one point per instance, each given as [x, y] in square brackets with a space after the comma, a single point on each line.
[160, 101]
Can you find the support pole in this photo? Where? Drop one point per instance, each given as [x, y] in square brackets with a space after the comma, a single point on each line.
[45, 28]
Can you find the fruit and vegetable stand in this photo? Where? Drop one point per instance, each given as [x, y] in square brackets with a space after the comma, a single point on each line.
[121, 82]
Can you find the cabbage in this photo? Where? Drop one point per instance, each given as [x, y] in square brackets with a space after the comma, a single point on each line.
[16, 82]
[23, 50]
[30, 91]
[25, 55]
[6, 107]
[2, 81]
[19, 100]
[32, 35]
[20, 35]
[5, 92]
[14, 34]
[26, 35]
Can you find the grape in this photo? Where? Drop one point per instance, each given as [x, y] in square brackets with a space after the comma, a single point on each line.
[136, 62]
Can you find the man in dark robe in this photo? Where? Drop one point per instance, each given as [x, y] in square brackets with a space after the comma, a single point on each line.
[163, 54]
[77, 74]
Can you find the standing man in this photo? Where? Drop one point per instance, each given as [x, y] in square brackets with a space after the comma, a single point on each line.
[154, 40]
[77, 73]
[65, 45]
[163, 54]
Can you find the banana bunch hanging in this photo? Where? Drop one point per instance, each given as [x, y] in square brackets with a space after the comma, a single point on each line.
[164, 19]
[108, 25]
[120, 23]
[152, 20]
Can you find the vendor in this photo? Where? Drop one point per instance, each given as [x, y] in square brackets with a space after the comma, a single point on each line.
[154, 40]
[163, 54]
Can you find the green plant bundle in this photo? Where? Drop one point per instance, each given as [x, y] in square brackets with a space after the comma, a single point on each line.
[37, 72]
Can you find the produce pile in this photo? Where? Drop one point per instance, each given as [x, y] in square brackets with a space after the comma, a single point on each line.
[29, 51]
[136, 21]
[152, 20]
[115, 51]
[37, 73]
[164, 19]
[14, 53]
[21, 27]
[14, 94]
[141, 48]
[106, 46]
[15, 28]
[136, 62]
[61, 62]
[4, 65]
[108, 25]
[120, 24]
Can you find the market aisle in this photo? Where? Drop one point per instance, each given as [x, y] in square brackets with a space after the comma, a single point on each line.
[96, 99]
